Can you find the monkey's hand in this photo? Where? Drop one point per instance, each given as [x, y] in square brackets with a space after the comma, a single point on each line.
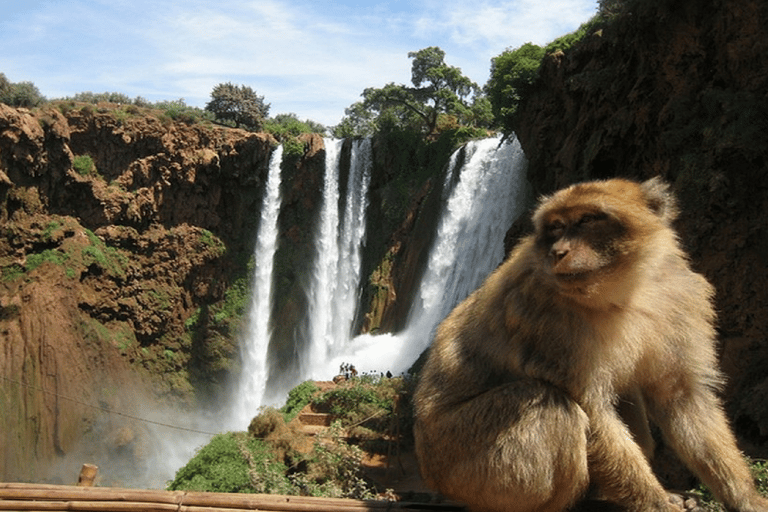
[756, 503]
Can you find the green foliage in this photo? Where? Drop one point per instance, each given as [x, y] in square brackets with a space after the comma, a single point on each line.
[285, 125]
[567, 41]
[235, 304]
[275, 456]
[359, 121]
[231, 463]
[103, 97]
[366, 407]
[208, 239]
[298, 397]
[513, 73]
[110, 260]
[178, 110]
[334, 469]
[20, 94]
[48, 255]
[239, 104]
[438, 89]
[83, 165]
[293, 150]
[269, 463]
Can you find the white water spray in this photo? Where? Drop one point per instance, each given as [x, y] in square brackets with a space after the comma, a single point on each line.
[489, 195]
[341, 236]
[253, 375]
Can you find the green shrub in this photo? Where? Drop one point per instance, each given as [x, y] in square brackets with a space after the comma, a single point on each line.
[20, 94]
[84, 165]
[231, 463]
[285, 125]
[49, 255]
[513, 73]
[298, 398]
[334, 469]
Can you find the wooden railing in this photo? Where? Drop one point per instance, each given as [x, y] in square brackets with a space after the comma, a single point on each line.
[54, 498]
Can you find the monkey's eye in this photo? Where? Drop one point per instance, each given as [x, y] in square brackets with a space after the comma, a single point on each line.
[589, 218]
[555, 228]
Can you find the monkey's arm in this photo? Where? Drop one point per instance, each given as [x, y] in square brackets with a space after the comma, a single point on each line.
[617, 464]
[694, 423]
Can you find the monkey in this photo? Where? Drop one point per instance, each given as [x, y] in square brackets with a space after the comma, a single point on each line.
[517, 406]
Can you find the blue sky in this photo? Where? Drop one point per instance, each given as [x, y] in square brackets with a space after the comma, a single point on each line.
[312, 58]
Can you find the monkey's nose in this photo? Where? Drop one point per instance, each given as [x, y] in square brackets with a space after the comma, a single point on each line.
[558, 254]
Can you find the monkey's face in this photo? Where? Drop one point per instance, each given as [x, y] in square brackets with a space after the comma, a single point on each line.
[590, 235]
[581, 244]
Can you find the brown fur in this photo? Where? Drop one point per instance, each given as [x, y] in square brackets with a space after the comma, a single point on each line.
[517, 405]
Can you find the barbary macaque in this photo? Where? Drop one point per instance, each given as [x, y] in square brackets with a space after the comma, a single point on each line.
[517, 408]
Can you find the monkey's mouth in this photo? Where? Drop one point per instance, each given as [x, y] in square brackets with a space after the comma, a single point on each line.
[572, 277]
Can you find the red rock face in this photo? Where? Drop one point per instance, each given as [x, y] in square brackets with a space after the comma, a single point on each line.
[100, 271]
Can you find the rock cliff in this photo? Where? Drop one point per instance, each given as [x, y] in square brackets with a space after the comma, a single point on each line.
[116, 230]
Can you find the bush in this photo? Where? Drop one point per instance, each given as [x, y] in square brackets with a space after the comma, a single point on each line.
[283, 125]
[512, 75]
[84, 165]
[231, 463]
[21, 94]
[298, 398]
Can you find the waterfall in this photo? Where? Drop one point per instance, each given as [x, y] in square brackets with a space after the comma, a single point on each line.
[336, 273]
[488, 195]
[253, 375]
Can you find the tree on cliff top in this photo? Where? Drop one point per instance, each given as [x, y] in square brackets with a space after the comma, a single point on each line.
[513, 73]
[20, 94]
[239, 104]
[438, 89]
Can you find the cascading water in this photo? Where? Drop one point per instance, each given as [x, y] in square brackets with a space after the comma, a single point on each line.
[489, 195]
[253, 376]
[170, 450]
[326, 267]
[334, 292]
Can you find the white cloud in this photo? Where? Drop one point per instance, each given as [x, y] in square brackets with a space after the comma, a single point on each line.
[312, 58]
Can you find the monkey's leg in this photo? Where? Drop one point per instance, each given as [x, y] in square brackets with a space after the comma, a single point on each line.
[698, 430]
[518, 447]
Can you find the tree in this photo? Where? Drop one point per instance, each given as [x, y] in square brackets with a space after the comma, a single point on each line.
[239, 104]
[438, 89]
[358, 122]
[20, 94]
[512, 74]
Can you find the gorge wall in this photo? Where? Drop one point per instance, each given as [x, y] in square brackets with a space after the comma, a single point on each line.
[678, 89]
[102, 268]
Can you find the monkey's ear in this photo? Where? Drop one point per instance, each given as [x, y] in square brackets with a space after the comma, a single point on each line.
[660, 199]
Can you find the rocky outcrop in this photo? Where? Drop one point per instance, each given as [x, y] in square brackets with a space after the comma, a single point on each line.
[104, 269]
[677, 89]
